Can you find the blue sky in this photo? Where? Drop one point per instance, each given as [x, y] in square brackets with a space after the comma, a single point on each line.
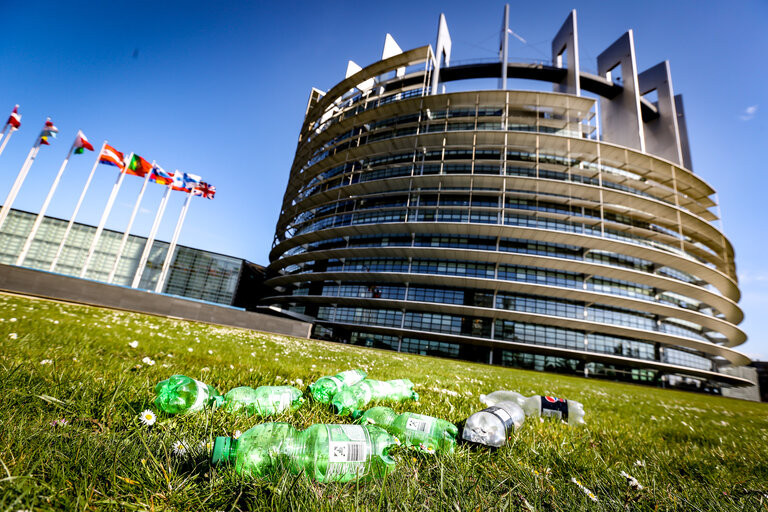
[220, 88]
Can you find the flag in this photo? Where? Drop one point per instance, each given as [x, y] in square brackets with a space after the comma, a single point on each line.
[138, 167]
[111, 156]
[160, 175]
[49, 131]
[204, 190]
[185, 182]
[81, 143]
[15, 119]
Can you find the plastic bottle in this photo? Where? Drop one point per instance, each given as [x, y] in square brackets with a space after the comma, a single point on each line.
[262, 401]
[570, 411]
[325, 387]
[426, 433]
[350, 400]
[326, 453]
[494, 425]
[182, 395]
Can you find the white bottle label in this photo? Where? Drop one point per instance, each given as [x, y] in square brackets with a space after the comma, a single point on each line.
[201, 398]
[346, 451]
[419, 423]
[349, 377]
[347, 457]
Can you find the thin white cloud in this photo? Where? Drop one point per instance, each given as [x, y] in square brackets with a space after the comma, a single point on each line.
[748, 113]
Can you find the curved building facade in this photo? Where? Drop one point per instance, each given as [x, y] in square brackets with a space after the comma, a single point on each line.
[559, 230]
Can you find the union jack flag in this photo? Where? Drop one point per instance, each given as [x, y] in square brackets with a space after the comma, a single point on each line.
[203, 189]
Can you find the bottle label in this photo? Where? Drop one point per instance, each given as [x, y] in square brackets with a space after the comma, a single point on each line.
[200, 397]
[282, 401]
[339, 383]
[419, 423]
[506, 419]
[554, 407]
[347, 450]
[349, 377]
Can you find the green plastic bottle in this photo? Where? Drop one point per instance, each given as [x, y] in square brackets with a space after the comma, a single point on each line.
[350, 400]
[182, 395]
[425, 433]
[326, 387]
[325, 453]
[262, 401]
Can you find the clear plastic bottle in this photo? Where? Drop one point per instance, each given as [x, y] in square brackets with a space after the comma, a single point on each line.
[426, 433]
[326, 453]
[494, 425]
[350, 400]
[570, 411]
[326, 387]
[262, 401]
[182, 395]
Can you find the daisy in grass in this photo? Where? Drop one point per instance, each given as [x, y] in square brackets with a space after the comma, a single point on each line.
[632, 481]
[148, 361]
[179, 448]
[148, 418]
[133, 344]
[584, 489]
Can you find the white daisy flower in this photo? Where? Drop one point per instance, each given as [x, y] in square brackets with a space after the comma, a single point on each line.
[237, 434]
[148, 418]
[210, 352]
[179, 448]
[147, 361]
[189, 349]
[632, 481]
[640, 463]
[13, 335]
[133, 344]
[46, 361]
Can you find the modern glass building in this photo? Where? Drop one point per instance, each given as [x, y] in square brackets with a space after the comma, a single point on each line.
[194, 273]
[560, 230]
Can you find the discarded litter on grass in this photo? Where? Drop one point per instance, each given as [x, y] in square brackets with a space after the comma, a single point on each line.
[325, 453]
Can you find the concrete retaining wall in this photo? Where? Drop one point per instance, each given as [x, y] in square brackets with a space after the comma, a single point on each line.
[37, 283]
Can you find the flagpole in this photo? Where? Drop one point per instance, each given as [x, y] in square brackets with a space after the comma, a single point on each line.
[128, 229]
[41, 213]
[77, 209]
[20, 179]
[104, 216]
[6, 136]
[172, 247]
[151, 239]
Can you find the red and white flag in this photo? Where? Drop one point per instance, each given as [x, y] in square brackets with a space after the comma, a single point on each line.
[111, 156]
[15, 119]
[81, 143]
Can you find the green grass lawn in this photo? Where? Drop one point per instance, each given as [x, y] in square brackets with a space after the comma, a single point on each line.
[74, 363]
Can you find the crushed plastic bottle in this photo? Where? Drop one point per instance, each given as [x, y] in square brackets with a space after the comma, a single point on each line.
[326, 387]
[262, 401]
[182, 395]
[494, 425]
[350, 400]
[426, 433]
[326, 453]
[569, 411]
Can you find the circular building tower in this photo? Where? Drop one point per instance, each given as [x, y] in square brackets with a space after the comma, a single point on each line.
[561, 231]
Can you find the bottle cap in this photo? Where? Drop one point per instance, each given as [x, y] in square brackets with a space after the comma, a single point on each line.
[223, 449]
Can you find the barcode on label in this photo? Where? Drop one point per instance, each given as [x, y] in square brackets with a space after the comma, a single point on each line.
[346, 452]
[418, 424]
